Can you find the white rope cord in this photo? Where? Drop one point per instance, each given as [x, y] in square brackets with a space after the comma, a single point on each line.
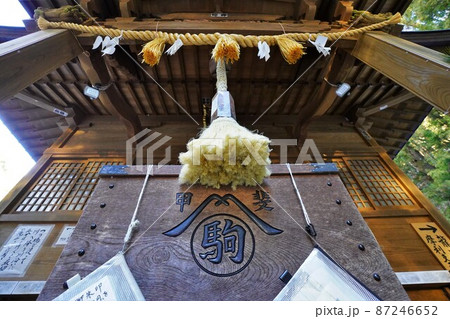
[134, 221]
[221, 75]
[310, 227]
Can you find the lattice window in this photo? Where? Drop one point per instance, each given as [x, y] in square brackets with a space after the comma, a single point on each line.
[378, 183]
[65, 185]
[356, 193]
[371, 184]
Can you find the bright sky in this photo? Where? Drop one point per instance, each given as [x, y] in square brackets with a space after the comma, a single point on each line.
[12, 13]
[14, 160]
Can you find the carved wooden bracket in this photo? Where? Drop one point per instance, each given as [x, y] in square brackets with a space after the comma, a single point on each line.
[344, 10]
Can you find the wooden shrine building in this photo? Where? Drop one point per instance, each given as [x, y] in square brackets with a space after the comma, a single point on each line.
[395, 79]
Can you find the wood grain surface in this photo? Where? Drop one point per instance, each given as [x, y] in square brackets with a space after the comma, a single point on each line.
[164, 266]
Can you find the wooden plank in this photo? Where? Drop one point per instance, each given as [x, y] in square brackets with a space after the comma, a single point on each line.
[420, 70]
[151, 120]
[428, 294]
[43, 104]
[382, 105]
[166, 268]
[401, 245]
[436, 241]
[39, 217]
[97, 71]
[392, 212]
[25, 60]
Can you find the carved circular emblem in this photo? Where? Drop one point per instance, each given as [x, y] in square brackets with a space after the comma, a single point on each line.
[222, 245]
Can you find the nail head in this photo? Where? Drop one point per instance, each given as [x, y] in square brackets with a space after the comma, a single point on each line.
[65, 286]
[349, 222]
[111, 186]
[361, 247]
[81, 252]
[93, 226]
[285, 276]
[338, 201]
[102, 205]
[329, 184]
[376, 277]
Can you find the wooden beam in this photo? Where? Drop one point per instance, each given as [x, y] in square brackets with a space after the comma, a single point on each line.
[380, 106]
[25, 60]
[420, 70]
[97, 71]
[205, 26]
[273, 119]
[43, 104]
[336, 70]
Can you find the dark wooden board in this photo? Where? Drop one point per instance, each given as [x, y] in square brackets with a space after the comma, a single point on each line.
[166, 269]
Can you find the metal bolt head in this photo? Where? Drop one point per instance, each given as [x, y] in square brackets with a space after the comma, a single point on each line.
[102, 205]
[329, 184]
[361, 247]
[376, 277]
[349, 222]
[93, 226]
[81, 252]
[111, 186]
[338, 201]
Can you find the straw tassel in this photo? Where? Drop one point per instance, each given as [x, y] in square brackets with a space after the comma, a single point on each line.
[226, 49]
[153, 51]
[290, 49]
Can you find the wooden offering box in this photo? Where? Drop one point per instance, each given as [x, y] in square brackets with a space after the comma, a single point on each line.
[198, 243]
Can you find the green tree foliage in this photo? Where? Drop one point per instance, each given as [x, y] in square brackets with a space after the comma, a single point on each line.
[428, 15]
[426, 159]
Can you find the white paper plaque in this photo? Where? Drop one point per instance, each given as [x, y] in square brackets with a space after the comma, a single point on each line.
[63, 238]
[102, 290]
[19, 250]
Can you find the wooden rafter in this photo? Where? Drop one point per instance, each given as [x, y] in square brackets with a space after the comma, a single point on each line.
[97, 71]
[25, 60]
[382, 105]
[420, 70]
[336, 70]
[41, 103]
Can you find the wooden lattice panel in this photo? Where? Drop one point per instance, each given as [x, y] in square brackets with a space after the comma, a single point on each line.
[353, 188]
[371, 184]
[65, 185]
[378, 183]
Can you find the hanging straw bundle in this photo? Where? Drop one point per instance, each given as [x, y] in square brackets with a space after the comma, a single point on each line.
[226, 49]
[290, 49]
[153, 50]
[225, 153]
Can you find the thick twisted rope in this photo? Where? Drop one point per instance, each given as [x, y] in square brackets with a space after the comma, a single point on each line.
[210, 38]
